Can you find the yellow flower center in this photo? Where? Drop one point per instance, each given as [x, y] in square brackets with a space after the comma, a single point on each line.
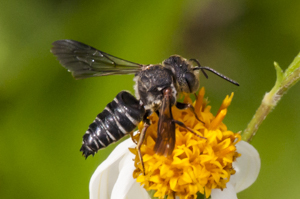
[196, 164]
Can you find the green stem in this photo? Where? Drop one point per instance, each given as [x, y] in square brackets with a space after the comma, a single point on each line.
[283, 83]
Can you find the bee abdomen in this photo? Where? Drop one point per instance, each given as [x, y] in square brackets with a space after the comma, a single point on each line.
[119, 118]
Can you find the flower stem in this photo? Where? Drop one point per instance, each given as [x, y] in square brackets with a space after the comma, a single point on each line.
[283, 83]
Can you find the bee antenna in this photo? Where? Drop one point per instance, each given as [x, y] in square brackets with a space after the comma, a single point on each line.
[199, 65]
[215, 72]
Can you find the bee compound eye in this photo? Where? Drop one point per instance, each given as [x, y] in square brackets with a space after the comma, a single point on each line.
[190, 80]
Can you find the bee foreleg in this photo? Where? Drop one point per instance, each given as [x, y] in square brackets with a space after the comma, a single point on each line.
[181, 106]
[188, 128]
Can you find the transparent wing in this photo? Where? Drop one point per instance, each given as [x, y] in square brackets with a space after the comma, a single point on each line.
[165, 141]
[84, 61]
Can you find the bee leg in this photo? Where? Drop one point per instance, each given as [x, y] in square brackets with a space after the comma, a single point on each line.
[131, 135]
[145, 119]
[181, 106]
[157, 113]
[139, 144]
[188, 128]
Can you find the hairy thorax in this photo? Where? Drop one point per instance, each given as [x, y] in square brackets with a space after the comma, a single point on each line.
[151, 82]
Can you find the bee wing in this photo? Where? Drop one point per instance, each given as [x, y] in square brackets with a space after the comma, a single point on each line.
[165, 141]
[85, 61]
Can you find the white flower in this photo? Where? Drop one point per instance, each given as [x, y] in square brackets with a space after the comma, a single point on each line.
[247, 169]
[113, 178]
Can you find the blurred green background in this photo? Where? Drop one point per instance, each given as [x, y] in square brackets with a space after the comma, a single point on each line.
[45, 112]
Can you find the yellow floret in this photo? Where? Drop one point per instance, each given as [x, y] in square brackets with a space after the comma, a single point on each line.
[196, 164]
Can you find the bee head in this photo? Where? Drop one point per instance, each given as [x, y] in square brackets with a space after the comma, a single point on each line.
[186, 78]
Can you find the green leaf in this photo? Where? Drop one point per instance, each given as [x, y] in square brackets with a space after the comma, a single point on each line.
[279, 74]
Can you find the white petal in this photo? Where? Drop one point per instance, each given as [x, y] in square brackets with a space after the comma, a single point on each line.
[106, 174]
[247, 166]
[123, 188]
[137, 192]
[126, 186]
[227, 193]
[125, 179]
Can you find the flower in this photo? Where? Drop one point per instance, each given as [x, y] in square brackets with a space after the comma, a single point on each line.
[196, 164]
[113, 177]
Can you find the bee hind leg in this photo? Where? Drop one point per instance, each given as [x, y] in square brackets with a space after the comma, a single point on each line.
[141, 139]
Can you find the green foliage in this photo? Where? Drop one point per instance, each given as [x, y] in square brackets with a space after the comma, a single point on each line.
[284, 81]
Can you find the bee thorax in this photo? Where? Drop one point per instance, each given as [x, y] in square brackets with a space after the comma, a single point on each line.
[150, 84]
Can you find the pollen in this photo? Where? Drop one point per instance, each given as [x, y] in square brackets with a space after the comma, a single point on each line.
[196, 165]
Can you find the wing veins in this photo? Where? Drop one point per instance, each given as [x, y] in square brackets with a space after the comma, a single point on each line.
[85, 61]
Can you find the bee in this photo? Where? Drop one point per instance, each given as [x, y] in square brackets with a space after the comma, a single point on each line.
[157, 87]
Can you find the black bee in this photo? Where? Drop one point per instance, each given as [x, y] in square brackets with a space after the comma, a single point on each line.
[156, 90]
